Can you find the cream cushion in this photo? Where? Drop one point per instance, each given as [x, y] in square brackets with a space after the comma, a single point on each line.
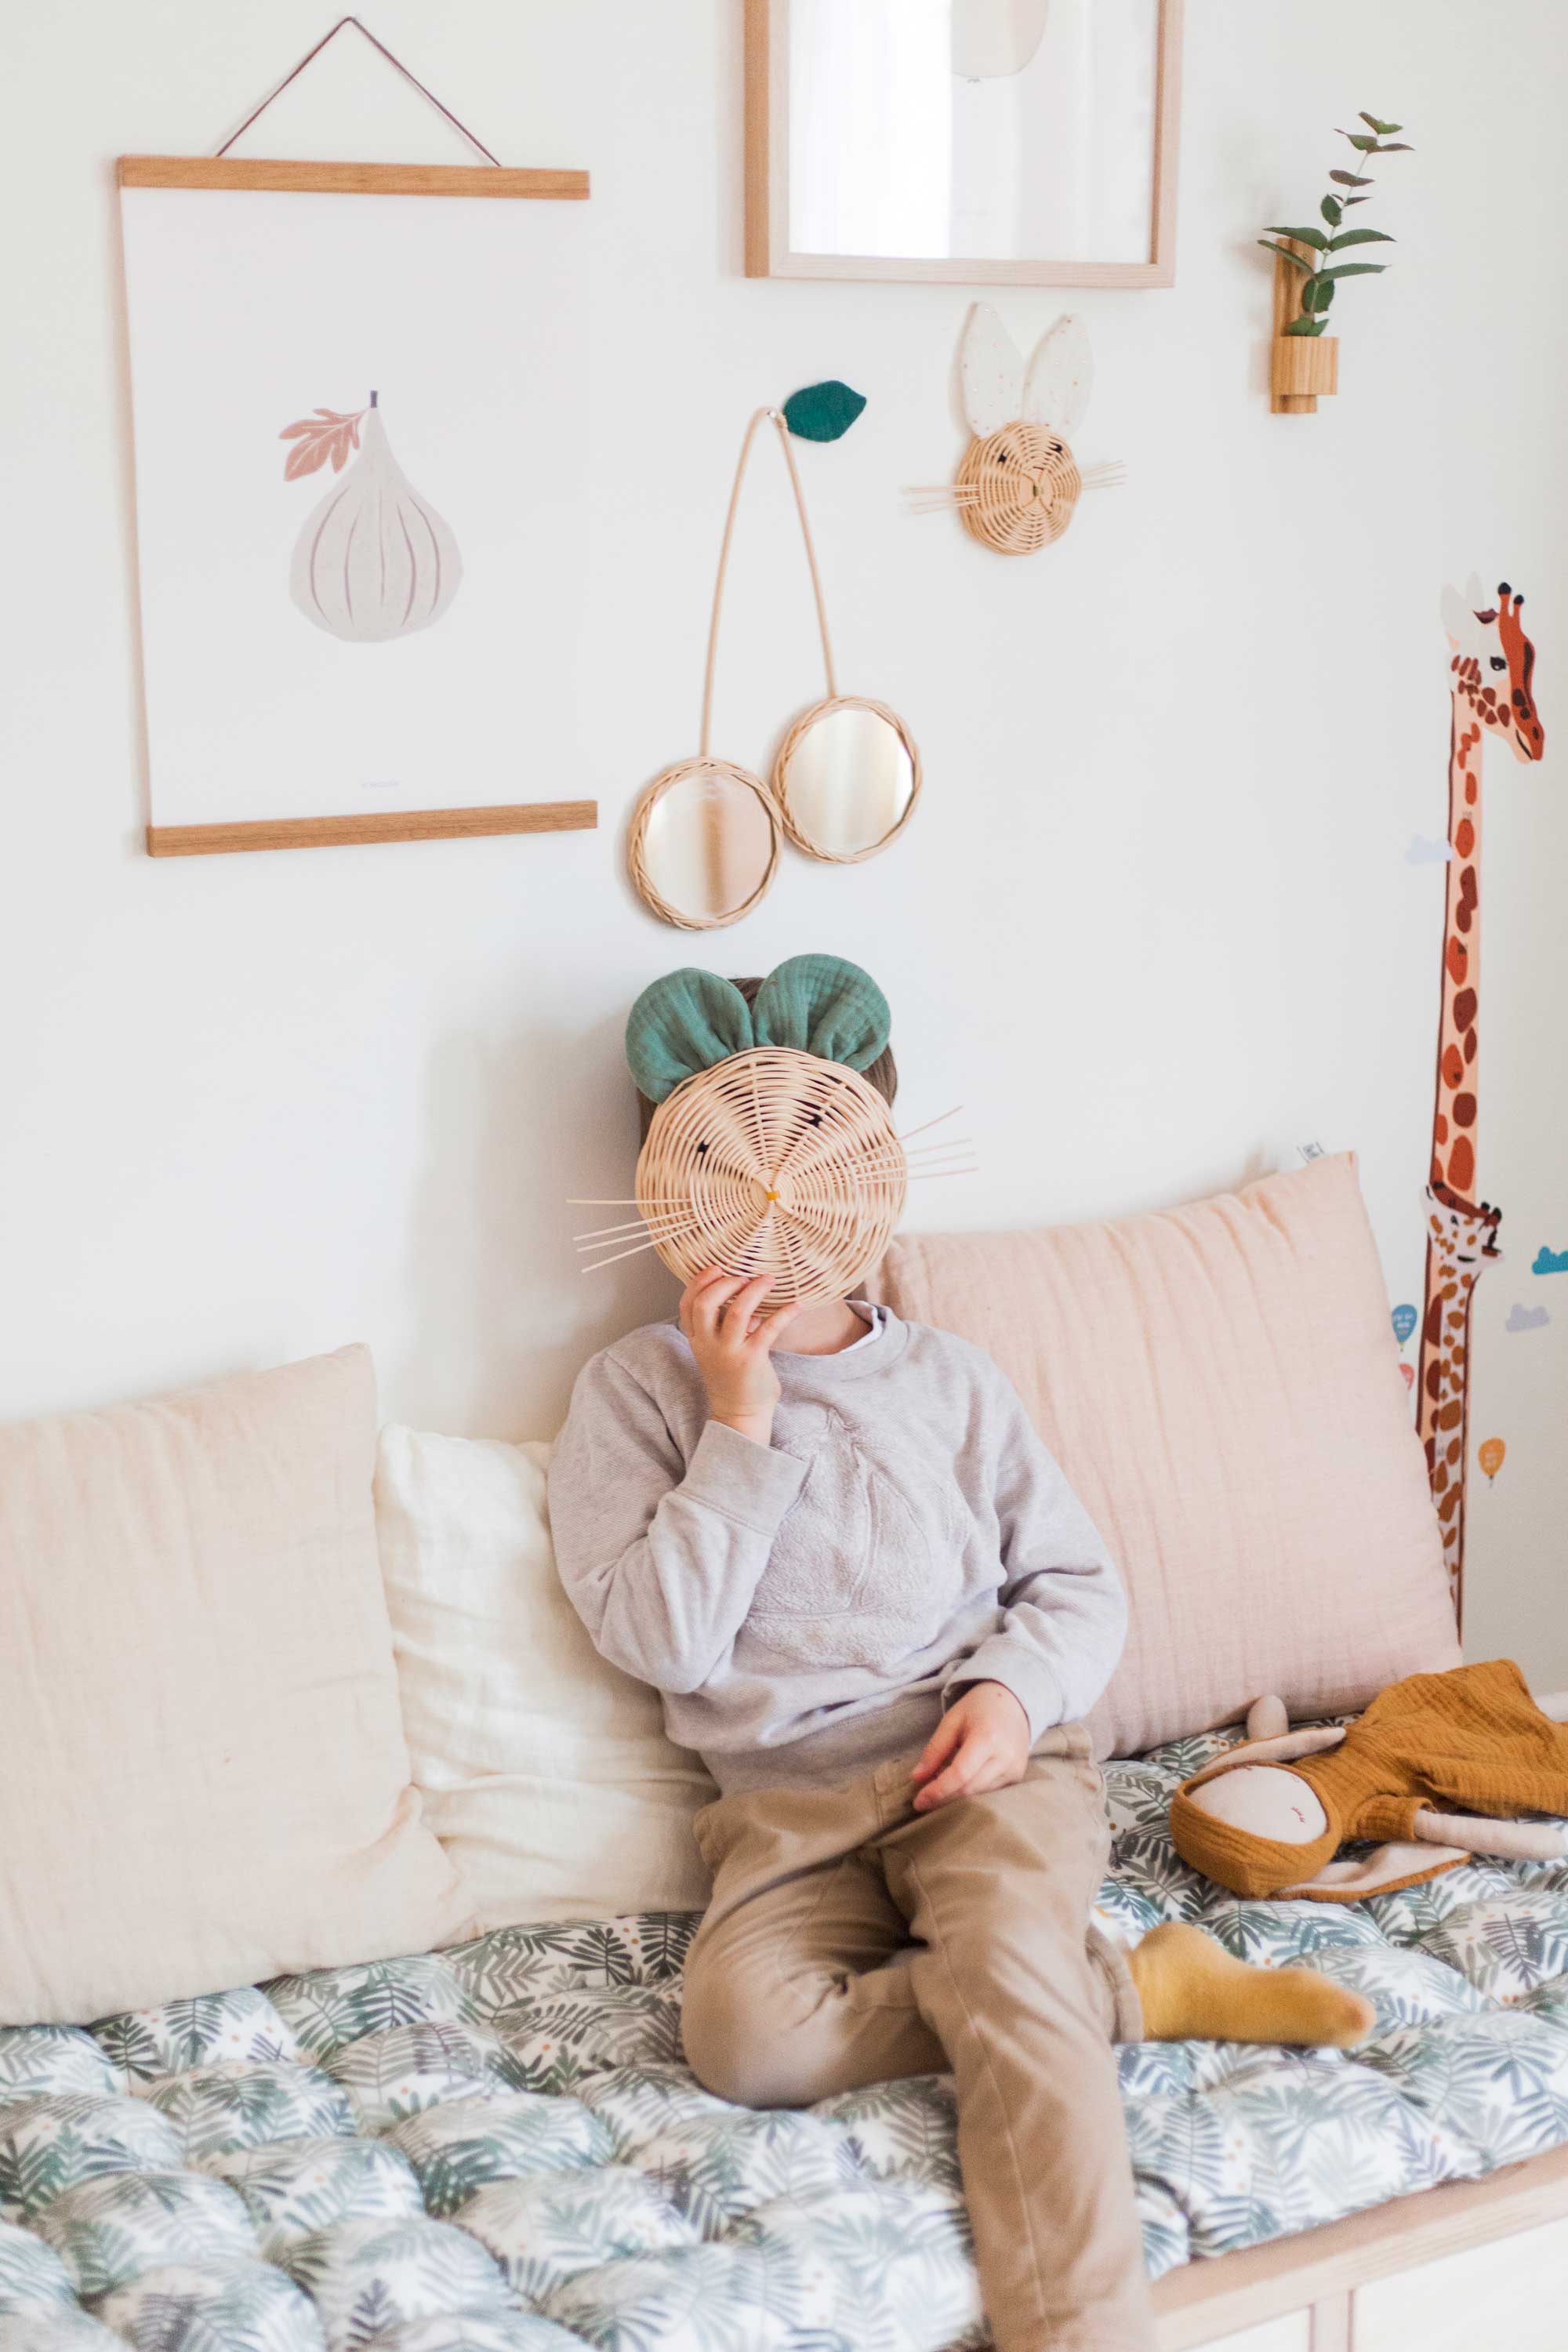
[1221, 1384]
[203, 1779]
[545, 1772]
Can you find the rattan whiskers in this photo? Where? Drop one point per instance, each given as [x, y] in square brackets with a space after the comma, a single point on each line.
[1017, 489]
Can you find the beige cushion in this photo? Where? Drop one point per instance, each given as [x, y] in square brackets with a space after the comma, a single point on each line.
[545, 1772]
[203, 1779]
[1221, 1384]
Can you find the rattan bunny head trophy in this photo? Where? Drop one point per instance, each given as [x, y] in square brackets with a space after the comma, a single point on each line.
[1018, 482]
[769, 1150]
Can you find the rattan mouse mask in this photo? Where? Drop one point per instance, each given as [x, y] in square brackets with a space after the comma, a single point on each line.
[769, 1152]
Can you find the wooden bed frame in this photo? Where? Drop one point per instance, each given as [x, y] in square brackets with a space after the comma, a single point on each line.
[1462, 2268]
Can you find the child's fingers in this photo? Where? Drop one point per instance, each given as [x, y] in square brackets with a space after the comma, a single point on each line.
[694, 1291]
[947, 1737]
[740, 1310]
[975, 1771]
[953, 1782]
[707, 1304]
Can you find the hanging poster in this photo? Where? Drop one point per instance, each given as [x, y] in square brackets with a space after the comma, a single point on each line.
[358, 408]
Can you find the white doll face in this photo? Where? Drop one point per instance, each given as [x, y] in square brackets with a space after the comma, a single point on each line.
[1264, 1801]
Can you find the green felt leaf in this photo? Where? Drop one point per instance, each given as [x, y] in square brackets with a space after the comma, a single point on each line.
[821, 412]
[1318, 293]
[1305, 326]
[1360, 139]
[1312, 236]
[1349, 180]
[1395, 147]
[1384, 130]
[1357, 269]
[1305, 267]
[1359, 236]
[1331, 211]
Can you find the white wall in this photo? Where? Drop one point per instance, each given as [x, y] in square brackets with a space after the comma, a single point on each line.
[1152, 921]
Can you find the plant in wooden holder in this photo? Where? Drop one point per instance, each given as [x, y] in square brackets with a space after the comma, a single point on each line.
[1305, 361]
[769, 1151]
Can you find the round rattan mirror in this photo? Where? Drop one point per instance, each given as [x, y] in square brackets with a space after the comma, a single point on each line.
[846, 779]
[704, 843]
[774, 1161]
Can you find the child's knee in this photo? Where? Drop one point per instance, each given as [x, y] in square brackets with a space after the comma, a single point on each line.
[740, 2049]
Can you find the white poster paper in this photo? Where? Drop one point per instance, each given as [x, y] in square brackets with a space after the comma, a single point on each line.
[360, 435]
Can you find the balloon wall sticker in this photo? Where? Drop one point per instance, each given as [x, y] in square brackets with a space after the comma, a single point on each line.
[375, 560]
[1018, 482]
[1491, 1456]
[1405, 1319]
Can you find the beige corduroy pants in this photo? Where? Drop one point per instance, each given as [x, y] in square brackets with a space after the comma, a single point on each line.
[852, 1940]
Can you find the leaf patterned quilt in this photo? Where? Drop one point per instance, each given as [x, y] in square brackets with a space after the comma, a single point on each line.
[497, 2149]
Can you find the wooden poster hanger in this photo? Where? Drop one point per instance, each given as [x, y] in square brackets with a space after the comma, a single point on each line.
[491, 179]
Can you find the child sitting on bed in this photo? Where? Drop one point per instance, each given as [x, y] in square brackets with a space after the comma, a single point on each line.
[876, 1608]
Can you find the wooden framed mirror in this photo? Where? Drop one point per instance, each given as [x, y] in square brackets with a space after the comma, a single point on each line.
[1026, 143]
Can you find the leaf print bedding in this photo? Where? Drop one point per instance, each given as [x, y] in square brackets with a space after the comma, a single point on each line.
[497, 2148]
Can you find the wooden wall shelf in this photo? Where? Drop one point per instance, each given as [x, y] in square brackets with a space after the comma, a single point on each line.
[349, 832]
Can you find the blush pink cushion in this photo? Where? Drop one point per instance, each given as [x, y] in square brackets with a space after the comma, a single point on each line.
[1221, 1384]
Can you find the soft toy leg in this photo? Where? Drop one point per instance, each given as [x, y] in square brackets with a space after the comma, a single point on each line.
[1191, 1989]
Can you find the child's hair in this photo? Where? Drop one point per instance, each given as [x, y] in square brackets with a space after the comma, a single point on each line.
[883, 1073]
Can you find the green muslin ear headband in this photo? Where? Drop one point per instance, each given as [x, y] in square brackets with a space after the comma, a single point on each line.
[690, 1019]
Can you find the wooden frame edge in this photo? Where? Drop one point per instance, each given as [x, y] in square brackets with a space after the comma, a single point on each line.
[756, 162]
[1205, 2301]
[353, 832]
[768, 253]
[292, 179]
[1167, 142]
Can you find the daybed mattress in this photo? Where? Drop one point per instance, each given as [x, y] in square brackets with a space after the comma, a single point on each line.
[496, 2148]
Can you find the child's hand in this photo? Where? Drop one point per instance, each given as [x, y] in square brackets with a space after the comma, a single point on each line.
[983, 1741]
[732, 1342]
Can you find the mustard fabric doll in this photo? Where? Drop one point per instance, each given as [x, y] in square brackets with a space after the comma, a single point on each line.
[1266, 1818]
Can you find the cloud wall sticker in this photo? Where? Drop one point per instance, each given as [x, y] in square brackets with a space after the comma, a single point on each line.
[1423, 852]
[1526, 1319]
[1550, 1261]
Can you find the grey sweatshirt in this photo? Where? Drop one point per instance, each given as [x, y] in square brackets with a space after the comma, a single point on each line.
[807, 1608]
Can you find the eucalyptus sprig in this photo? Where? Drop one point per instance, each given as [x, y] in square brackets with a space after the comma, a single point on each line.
[1319, 275]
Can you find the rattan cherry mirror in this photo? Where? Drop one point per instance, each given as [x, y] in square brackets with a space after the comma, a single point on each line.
[702, 848]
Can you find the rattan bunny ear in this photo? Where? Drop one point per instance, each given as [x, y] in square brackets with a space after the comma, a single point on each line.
[769, 1152]
[1018, 482]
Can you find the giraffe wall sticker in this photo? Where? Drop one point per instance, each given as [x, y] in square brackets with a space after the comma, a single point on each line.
[1492, 686]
